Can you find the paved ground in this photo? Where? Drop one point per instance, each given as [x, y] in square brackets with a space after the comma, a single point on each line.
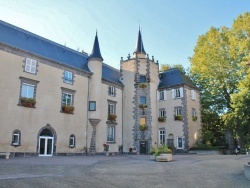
[124, 171]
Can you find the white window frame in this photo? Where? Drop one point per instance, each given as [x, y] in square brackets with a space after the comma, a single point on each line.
[193, 95]
[182, 142]
[30, 65]
[18, 139]
[177, 93]
[111, 137]
[178, 111]
[72, 138]
[194, 112]
[68, 77]
[27, 94]
[162, 113]
[112, 91]
[162, 136]
[162, 95]
[67, 94]
[111, 108]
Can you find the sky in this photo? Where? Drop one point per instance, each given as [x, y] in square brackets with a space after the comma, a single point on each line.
[169, 28]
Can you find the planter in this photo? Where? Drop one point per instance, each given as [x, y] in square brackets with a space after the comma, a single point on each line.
[164, 157]
[28, 102]
[143, 85]
[178, 118]
[112, 117]
[143, 127]
[68, 109]
[247, 170]
[162, 119]
[194, 118]
[143, 106]
[152, 157]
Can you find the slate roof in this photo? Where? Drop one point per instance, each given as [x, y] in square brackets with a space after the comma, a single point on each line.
[111, 74]
[173, 77]
[96, 53]
[139, 45]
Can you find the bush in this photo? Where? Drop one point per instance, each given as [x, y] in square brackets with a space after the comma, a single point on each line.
[162, 149]
[152, 150]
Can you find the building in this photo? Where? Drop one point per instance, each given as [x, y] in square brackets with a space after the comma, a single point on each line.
[58, 101]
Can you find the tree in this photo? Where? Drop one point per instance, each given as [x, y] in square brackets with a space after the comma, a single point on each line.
[165, 67]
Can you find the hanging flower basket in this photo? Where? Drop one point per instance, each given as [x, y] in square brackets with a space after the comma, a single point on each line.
[28, 102]
[143, 85]
[68, 109]
[178, 117]
[194, 118]
[162, 119]
[112, 117]
[143, 127]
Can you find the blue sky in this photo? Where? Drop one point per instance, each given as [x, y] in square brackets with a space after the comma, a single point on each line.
[170, 28]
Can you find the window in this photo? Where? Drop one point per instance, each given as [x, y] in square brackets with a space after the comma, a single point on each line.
[162, 95]
[30, 66]
[178, 111]
[143, 100]
[193, 112]
[111, 107]
[16, 138]
[143, 79]
[68, 77]
[67, 99]
[111, 134]
[72, 141]
[162, 113]
[193, 95]
[170, 140]
[142, 121]
[92, 106]
[27, 90]
[177, 93]
[162, 136]
[111, 91]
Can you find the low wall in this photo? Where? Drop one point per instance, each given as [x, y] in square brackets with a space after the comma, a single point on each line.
[247, 171]
[207, 152]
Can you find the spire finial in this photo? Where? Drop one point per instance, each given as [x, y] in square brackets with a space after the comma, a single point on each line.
[139, 45]
[96, 53]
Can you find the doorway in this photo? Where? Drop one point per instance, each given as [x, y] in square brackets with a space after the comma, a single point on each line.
[46, 143]
[143, 147]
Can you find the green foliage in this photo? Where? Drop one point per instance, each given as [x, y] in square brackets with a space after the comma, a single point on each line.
[28, 102]
[68, 109]
[152, 150]
[207, 148]
[162, 119]
[143, 127]
[162, 149]
[165, 67]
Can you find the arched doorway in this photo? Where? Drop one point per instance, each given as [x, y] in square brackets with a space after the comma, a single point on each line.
[46, 141]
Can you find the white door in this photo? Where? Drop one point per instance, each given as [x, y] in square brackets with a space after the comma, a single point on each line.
[46, 146]
[179, 143]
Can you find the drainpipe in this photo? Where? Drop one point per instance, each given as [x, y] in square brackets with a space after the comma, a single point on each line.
[87, 119]
[122, 117]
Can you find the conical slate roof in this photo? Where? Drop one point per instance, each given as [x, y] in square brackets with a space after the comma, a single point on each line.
[96, 53]
[139, 45]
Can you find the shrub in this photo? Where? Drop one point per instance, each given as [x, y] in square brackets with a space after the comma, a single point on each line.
[143, 127]
[162, 149]
[152, 150]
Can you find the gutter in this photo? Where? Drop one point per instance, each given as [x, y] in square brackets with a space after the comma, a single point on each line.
[87, 119]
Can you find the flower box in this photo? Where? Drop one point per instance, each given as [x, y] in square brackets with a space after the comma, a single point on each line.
[143, 106]
[112, 117]
[143, 127]
[194, 118]
[28, 102]
[162, 119]
[178, 117]
[143, 85]
[68, 109]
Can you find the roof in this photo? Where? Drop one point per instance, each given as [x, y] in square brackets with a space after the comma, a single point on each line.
[96, 53]
[139, 45]
[27, 41]
[173, 77]
[111, 74]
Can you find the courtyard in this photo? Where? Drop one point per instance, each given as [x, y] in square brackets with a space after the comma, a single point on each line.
[124, 171]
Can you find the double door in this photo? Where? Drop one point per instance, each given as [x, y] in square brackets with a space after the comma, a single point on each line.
[46, 146]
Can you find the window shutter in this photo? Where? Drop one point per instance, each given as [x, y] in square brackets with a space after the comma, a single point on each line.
[194, 95]
[181, 92]
[173, 93]
[165, 94]
[158, 95]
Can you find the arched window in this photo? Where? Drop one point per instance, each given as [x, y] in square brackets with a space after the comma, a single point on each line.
[16, 138]
[72, 141]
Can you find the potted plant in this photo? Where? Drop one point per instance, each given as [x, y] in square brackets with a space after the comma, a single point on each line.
[28, 102]
[163, 153]
[162, 119]
[194, 118]
[112, 117]
[68, 109]
[152, 153]
[178, 117]
[143, 127]
[143, 85]
[143, 106]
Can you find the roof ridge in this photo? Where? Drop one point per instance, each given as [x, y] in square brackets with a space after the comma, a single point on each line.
[42, 38]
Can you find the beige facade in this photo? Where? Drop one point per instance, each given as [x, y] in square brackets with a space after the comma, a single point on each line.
[90, 108]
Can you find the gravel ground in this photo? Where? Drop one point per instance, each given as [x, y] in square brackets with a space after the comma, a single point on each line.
[124, 171]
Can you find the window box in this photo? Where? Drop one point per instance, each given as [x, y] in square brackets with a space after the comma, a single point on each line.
[194, 118]
[178, 117]
[143, 85]
[143, 127]
[162, 119]
[112, 117]
[143, 106]
[28, 102]
[68, 109]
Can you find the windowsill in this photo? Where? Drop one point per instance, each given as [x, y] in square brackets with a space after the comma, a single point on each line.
[72, 147]
[30, 72]
[71, 83]
[15, 145]
[67, 113]
[25, 106]
[111, 142]
[111, 122]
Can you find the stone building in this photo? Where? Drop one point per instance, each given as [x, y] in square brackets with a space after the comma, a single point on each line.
[58, 101]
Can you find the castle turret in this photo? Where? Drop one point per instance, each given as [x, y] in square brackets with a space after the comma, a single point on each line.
[139, 49]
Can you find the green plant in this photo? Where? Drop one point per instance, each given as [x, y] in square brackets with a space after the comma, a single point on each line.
[162, 149]
[142, 106]
[112, 117]
[68, 109]
[28, 102]
[143, 85]
[178, 117]
[143, 127]
[162, 119]
[194, 118]
[152, 150]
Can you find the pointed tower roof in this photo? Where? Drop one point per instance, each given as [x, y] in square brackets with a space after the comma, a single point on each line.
[139, 45]
[96, 53]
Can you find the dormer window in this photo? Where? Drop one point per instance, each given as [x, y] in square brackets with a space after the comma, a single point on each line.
[30, 66]
[68, 77]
